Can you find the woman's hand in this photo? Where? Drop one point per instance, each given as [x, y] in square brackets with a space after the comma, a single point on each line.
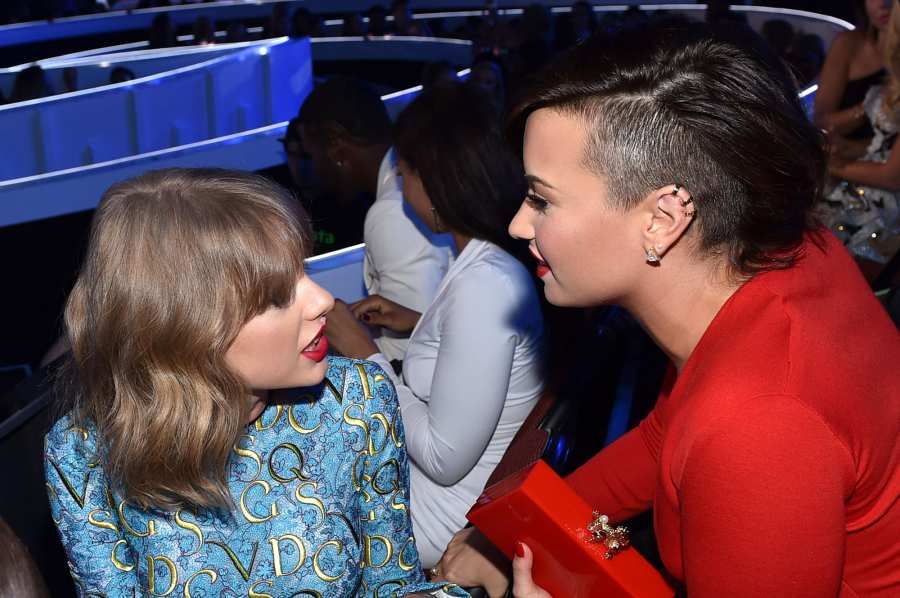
[523, 584]
[846, 149]
[348, 335]
[378, 311]
[471, 560]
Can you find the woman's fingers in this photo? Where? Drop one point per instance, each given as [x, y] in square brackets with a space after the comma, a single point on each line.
[367, 305]
[523, 584]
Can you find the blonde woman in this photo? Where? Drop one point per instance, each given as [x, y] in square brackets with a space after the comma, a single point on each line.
[854, 64]
[864, 207]
[181, 469]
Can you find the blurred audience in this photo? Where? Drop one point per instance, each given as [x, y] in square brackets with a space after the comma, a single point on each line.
[779, 34]
[575, 26]
[806, 57]
[120, 74]
[236, 32]
[377, 21]
[279, 22]
[404, 24]
[488, 75]
[718, 11]
[162, 32]
[437, 73]
[70, 79]
[304, 23]
[352, 25]
[30, 84]
[204, 31]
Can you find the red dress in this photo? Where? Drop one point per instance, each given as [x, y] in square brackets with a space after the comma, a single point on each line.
[773, 462]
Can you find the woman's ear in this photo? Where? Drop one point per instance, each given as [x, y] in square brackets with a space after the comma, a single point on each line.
[669, 212]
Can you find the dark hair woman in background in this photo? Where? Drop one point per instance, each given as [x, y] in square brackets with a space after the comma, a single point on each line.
[676, 175]
[472, 370]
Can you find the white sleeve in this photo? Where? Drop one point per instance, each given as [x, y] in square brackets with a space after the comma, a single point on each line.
[448, 435]
[405, 263]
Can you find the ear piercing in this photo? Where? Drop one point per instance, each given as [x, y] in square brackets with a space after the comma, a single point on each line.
[684, 202]
[652, 256]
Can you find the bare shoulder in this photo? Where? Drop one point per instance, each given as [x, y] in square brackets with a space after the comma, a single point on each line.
[848, 42]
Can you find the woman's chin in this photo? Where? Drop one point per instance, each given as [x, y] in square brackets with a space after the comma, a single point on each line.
[312, 374]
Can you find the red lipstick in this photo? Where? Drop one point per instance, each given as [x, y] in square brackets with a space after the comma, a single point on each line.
[542, 267]
[317, 350]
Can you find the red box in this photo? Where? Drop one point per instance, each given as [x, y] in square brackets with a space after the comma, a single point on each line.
[537, 507]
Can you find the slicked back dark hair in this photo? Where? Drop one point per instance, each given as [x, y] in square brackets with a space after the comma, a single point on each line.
[713, 110]
[452, 136]
[343, 105]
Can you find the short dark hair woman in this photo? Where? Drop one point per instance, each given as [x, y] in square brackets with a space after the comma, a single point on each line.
[472, 370]
[676, 176]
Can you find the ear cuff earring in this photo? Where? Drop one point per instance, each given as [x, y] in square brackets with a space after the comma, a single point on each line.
[684, 202]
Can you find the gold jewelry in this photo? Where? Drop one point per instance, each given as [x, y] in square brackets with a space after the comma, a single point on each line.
[615, 539]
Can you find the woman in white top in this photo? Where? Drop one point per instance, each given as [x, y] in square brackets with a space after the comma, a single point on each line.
[473, 368]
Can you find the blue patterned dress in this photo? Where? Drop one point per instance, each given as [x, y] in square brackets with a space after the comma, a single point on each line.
[320, 488]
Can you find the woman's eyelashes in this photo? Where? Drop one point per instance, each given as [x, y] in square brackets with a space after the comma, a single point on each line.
[536, 202]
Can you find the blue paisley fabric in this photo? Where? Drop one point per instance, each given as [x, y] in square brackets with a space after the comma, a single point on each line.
[321, 507]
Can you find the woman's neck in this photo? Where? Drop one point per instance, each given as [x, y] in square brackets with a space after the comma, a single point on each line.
[460, 241]
[679, 301]
[259, 400]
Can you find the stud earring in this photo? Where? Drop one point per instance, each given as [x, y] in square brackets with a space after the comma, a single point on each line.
[652, 256]
[340, 163]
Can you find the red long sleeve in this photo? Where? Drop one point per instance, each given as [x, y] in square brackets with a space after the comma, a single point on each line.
[620, 481]
[762, 504]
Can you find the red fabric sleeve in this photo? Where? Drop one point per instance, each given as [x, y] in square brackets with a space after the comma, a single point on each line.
[762, 500]
[621, 479]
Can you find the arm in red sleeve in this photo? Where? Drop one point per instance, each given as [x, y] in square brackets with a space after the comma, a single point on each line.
[621, 479]
[762, 502]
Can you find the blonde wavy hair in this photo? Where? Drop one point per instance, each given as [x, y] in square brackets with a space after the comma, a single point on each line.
[178, 261]
[892, 64]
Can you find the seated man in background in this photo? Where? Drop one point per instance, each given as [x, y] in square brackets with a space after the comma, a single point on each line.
[337, 219]
[345, 130]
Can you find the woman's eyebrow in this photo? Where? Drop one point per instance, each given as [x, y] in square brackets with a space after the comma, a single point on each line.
[536, 179]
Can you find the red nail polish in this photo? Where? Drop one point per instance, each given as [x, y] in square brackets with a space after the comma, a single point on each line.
[520, 549]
